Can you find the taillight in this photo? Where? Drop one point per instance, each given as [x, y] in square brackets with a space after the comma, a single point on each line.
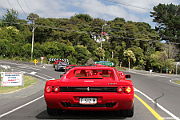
[120, 90]
[48, 89]
[128, 90]
[125, 89]
[56, 89]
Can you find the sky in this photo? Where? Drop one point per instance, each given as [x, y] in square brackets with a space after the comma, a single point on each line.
[130, 10]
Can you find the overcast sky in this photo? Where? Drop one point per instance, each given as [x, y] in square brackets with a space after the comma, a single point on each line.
[134, 10]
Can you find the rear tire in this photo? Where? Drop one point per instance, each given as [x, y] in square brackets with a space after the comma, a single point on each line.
[54, 112]
[129, 113]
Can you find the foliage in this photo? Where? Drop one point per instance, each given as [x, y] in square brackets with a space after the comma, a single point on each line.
[168, 18]
[10, 17]
[76, 38]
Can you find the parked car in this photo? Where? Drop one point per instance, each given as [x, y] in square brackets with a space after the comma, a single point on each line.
[90, 88]
[60, 66]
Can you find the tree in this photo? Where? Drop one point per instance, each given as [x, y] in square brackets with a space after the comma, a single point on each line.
[159, 60]
[90, 61]
[82, 54]
[83, 17]
[10, 17]
[100, 53]
[130, 56]
[168, 19]
[138, 52]
[32, 16]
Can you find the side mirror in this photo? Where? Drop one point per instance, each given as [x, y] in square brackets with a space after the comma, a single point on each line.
[128, 76]
[61, 75]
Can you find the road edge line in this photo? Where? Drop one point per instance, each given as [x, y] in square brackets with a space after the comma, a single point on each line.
[156, 115]
[160, 106]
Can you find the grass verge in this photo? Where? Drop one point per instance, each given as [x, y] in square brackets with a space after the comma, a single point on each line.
[28, 80]
[176, 81]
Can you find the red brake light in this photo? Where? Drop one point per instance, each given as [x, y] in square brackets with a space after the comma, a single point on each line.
[125, 89]
[120, 89]
[48, 89]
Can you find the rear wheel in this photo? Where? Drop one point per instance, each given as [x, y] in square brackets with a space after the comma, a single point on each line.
[129, 113]
[53, 112]
[126, 113]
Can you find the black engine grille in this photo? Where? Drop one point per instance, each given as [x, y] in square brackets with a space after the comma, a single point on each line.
[88, 89]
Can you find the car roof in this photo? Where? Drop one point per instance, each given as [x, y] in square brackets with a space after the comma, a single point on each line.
[94, 67]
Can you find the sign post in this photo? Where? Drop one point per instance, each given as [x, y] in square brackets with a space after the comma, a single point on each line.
[177, 63]
[42, 58]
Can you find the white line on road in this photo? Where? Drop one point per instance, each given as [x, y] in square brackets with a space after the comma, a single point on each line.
[21, 106]
[4, 114]
[160, 106]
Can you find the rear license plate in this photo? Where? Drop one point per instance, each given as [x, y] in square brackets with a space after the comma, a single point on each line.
[88, 101]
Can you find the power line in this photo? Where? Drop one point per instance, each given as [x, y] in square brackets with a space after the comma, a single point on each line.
[26, 5]
[9, 4]
[126, 4]
[115, 36]
[21, 8]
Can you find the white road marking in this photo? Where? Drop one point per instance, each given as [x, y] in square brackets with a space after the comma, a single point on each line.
[5, 66]
[33, 73]
[28, 67]
[47, 76]
[160, 106]
[15, 109]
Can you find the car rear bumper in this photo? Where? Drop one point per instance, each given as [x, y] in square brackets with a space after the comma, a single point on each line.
[105, 101]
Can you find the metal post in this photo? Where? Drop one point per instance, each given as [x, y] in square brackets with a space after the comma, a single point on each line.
[102, 31]
[112, 54]
[32, 48]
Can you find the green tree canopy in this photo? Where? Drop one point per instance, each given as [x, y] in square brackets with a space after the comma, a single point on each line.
[168, 18]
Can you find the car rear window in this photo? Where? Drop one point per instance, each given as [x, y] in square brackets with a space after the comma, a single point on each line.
[93, 73]
[63, 63]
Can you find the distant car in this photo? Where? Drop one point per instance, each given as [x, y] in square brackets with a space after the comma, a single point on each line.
[69, 67]
[56, 62]
[60, 66]
[90, 88]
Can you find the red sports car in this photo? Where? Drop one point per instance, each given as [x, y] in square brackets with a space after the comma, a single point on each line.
[69, 67]
[90, 88]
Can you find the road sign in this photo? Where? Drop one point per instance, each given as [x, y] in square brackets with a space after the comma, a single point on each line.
[107, 63]
[42, 58]
[11, 79]
[35, 61]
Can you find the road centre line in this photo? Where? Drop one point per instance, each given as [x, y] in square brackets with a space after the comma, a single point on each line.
[158, 105]
[156, 115]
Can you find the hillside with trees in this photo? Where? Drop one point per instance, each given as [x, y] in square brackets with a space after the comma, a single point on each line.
[81, 37]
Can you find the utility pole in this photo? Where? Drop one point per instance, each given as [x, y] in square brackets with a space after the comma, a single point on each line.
[102, 32]
[33, 29]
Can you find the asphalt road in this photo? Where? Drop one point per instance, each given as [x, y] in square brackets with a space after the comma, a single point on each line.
[29, 104]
